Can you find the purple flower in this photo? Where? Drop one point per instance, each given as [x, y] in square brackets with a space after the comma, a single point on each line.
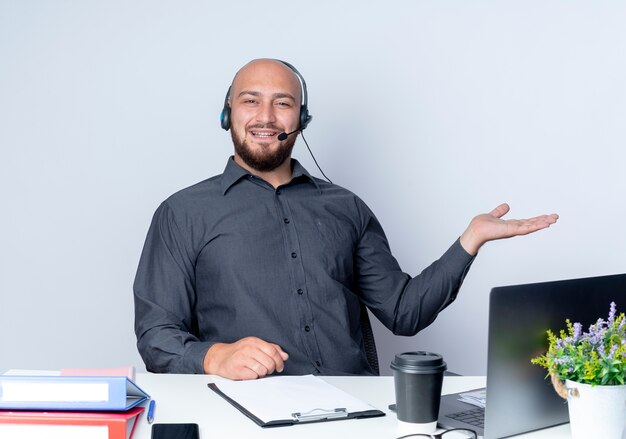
[578, 328]
[596, 333]
[563, 360]
[612, 352]
[612, 312]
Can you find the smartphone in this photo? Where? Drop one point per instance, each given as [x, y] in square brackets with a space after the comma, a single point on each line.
[175, 431]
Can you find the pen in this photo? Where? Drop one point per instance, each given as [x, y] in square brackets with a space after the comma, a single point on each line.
[151, 411]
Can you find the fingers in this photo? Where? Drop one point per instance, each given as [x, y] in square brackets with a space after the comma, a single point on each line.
[530, 225]
[504, 208]
[244, 373]
[500, 211]
[551, 219]
[279, 356]
[248, 358]
[266, 358]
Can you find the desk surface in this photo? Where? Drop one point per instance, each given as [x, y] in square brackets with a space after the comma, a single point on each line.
[186, 398]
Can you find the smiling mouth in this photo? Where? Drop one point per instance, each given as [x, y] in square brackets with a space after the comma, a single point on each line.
[263, 134]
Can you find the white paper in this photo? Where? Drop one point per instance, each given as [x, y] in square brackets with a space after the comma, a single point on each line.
[54, 392]
[32, 431]
[277, 398]
[32, 372]
[476, 398]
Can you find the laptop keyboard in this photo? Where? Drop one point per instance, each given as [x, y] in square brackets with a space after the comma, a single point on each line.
[475, 417]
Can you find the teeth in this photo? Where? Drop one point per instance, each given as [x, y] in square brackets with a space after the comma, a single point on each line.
[263, 134]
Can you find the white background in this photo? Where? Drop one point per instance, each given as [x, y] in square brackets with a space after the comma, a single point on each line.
[431, 111]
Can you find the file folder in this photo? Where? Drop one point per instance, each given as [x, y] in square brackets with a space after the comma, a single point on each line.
[294, 400]
[69, 425]
[76, 393]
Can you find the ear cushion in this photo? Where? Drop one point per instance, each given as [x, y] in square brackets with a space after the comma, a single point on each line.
[305, 118]
[225, 114]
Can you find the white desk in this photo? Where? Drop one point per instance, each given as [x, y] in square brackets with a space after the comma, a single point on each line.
[186, 398]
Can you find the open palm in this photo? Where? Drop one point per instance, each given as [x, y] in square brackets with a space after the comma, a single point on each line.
[490, 226]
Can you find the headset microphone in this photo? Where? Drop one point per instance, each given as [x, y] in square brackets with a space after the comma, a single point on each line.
[283, 136]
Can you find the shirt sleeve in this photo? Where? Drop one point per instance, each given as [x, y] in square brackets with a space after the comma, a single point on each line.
[405, 304]
[164, 292]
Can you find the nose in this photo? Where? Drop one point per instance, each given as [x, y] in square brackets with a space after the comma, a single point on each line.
[266, 114]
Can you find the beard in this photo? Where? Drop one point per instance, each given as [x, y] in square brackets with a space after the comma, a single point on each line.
[265, 160]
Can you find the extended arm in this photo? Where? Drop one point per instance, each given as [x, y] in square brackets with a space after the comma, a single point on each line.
[408, 304]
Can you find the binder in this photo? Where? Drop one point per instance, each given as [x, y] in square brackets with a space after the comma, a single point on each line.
[294, 400]
[75, 393]
[69, 425]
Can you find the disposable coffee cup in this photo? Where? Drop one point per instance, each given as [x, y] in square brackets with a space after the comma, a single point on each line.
[418, 378]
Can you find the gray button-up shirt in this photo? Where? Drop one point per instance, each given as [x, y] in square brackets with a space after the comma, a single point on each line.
[232, 257]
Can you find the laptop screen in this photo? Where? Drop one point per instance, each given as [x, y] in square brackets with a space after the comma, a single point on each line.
[519, 398]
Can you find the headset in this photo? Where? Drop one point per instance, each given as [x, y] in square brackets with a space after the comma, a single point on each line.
[305, 117]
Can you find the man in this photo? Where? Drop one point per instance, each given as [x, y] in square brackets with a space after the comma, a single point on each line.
[264, 269]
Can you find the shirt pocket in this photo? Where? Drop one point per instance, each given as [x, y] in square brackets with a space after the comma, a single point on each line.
[338, 241]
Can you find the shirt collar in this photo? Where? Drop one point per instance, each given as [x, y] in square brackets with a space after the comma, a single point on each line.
[233, 173]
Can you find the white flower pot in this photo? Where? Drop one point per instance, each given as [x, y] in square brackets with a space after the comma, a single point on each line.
[596, 411]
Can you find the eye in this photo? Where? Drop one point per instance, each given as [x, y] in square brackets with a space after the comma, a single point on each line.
[283, 104]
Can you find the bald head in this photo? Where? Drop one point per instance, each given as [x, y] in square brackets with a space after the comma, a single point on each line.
[266, 71]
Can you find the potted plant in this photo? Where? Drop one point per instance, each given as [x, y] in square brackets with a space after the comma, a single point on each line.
[589, 370]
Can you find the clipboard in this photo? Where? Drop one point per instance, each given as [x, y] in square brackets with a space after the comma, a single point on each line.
[294, 400]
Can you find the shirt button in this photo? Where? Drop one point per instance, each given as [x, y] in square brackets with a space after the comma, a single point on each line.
[278, 192]
[307, 328]
[286, 220]
[300, 292]
[318, 363]
[294, 255]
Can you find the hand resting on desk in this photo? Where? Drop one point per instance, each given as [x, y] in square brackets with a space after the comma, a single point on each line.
[246, 359]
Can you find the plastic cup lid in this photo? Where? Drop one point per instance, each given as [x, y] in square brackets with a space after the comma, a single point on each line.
[419, 362]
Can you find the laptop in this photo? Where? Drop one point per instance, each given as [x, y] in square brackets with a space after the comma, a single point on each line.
[518, 398]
